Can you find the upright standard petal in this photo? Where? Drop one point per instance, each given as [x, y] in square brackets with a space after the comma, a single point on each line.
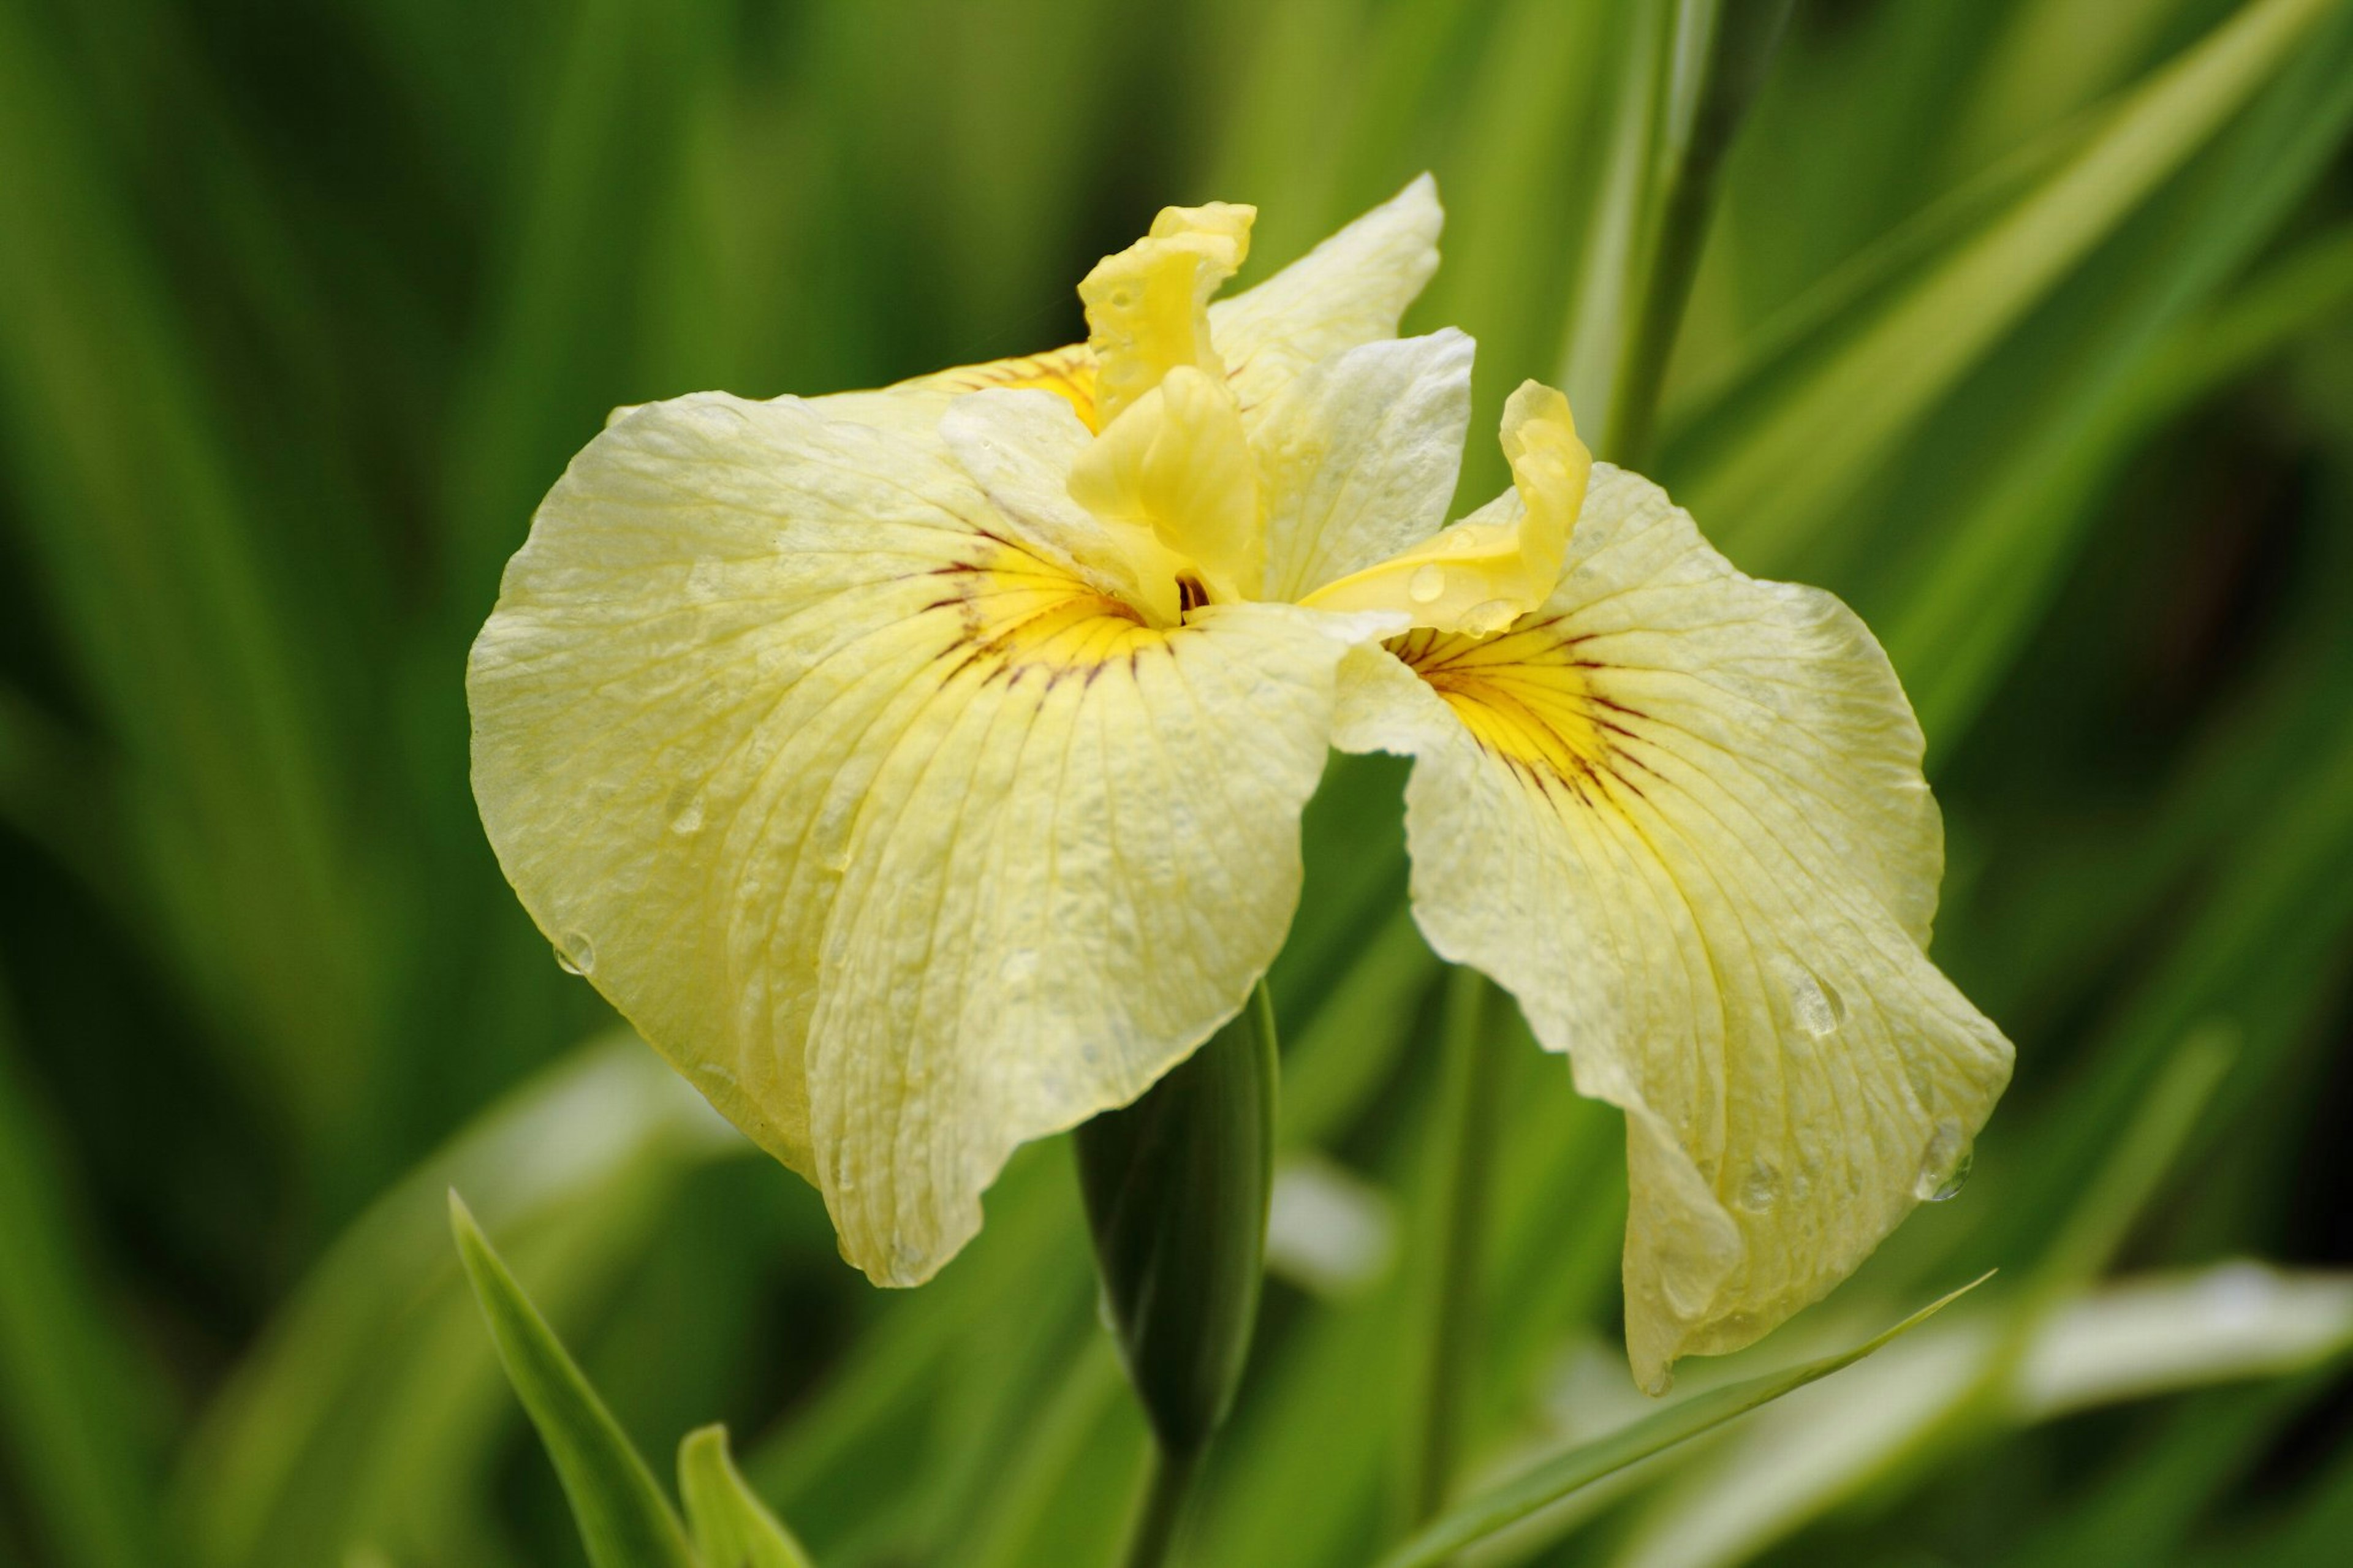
[1358, 458]
[1503, 561]
[899, 839]
[1679, 814]
[1352, 288]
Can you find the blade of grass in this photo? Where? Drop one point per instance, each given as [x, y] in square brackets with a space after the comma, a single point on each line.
[370, 1404]
[1717, 52]
[1973, 598]
[68, 1381]
[1830, 432]
[1493, 1511]
[624, 1521]
[1868, 1442]
[141, 529]
[2143, 1508]
[731, 1526]
[1442, 1330]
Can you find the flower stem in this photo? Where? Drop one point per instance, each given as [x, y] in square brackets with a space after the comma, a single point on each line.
[1167, 1486]
[1460, 1152]
[1740, 39]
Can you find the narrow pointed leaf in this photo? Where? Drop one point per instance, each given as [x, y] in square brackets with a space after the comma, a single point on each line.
[1824, 439]
[69, 1382]
[731, 1526]
[1491, 1511]
[623, 1519]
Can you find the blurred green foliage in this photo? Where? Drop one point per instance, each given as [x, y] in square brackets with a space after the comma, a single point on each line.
[2026, 325]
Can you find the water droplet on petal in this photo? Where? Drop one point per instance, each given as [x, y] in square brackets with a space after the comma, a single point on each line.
[1817, 1006]
[1760, 1189]
[1486, 620]
[688, 820]
[1426, 585]
[575, 954]
[1945, 1164]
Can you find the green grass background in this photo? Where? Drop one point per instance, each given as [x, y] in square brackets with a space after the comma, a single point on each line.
[2025, 325]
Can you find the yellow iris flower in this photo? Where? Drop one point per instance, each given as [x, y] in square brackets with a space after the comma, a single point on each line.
[919, 770]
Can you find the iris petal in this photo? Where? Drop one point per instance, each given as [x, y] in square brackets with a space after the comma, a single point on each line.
[1679, 814]
[901, 839]
[1352, 288]
[1358, 457]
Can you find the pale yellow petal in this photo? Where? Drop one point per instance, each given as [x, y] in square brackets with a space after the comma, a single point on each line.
[716, 601]
[1352, 288]
[901, 840]
[1680, 815]
[1148, 307]
[1176, 462]
[1358, 455]
[912, 408]
[1503, 561]
[1067, 870]
[1020, 447]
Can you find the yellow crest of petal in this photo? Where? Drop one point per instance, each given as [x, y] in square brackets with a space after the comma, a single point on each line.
[1178, 462]
[1067, 373]
[1148, 307]
[1483, 573]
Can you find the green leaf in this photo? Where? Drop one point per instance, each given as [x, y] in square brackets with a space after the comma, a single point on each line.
[1830, 432]
[733, 1529]
[1713, 57]
[139, 525]
[623, 1519]
[69, 1380]
[2087, 393]
[1549, 1482]
[372, 1403]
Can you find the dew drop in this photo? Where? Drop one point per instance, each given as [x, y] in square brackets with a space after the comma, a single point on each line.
[1945, 1164]
[688, 820]
[575, 954]
[1760, 1189]
[1486, 620]
[1817, 1006]
[1427, 584]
